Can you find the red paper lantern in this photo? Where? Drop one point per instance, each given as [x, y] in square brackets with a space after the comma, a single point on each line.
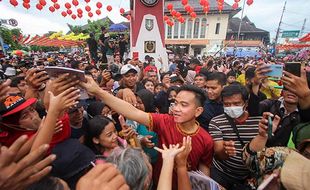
[57, 6]
[87, 1]
[173, 12]
[87, 8]
[166, 18]
[42, 2]
[128, 17]
[169, 6]
[68, 5]
[80, 15]
[51, 8]
[98, 12]
[39, 6]
[63, 13]
[249, 2]
[69, 12]
[27, 1]
[122, 11]
[178, 14]
[237, 1]
[90, 14]
[109, 8]
[99, 5]
[193, 15]
[73, 16]
[54, 1]
[202, 2]
[75, 2]
[26, 5]
[206, 9]
[235, 6]
[220, 7]
[191, 10]
[79, 11]
[184, 2]
[14, 3]
[187, 8]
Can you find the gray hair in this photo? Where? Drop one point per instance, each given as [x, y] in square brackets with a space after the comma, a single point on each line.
[132, 165]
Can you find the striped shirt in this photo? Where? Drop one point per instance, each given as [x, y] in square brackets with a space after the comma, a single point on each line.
[221, 130]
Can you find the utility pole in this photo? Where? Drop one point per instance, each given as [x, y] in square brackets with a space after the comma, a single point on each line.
[303, 28]
[278, 30]
[239, 29]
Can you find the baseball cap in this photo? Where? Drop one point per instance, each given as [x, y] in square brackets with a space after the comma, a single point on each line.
[295, 173]
[10, 71]
[127, 68]
[14, 104]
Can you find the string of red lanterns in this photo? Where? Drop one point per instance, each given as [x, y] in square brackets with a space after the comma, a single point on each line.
[190, 10]
[68, 5]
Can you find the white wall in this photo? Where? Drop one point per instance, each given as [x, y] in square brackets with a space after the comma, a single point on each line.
[153, 35]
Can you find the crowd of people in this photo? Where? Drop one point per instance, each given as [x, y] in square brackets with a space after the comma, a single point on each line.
[131, 125]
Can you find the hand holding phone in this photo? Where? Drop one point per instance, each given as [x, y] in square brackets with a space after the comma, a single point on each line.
[276, 71]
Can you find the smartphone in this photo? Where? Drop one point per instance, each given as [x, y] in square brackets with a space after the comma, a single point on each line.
[269, 127]
[293, 68]
[135, 55]
[276, 71]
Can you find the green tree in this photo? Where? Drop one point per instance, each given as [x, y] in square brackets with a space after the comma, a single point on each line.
[7, 35]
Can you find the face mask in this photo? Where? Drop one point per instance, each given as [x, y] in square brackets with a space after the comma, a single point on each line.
[234, 112]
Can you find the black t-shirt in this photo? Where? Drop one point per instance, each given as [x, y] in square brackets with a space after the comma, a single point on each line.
[102, 38]
[122, 45]
[92, 44]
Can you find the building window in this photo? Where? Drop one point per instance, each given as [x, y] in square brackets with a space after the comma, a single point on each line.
[176, 30]
[196, 28]
[189, 28]
[169, 31]
[217, 29]
[182, 33]
[203, 28]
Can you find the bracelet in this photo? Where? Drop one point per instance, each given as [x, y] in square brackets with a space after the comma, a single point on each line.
[247, 148]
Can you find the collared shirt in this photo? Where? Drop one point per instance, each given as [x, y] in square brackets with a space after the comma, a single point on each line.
[282, 107]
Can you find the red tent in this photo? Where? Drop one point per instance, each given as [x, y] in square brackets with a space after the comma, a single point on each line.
[305, 38]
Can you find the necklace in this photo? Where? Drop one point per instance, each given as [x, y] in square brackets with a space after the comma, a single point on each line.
[188, 134]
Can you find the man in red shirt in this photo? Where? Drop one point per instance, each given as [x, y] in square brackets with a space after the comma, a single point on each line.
[170, 128]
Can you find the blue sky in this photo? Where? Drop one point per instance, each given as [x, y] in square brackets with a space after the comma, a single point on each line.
[264, 13]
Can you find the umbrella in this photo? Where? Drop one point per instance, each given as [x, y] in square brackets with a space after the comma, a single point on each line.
[117, 28]
[19, 52]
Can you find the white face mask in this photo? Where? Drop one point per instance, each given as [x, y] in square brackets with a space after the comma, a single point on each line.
[234, 111]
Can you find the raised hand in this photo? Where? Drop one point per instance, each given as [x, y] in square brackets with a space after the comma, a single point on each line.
[181, 158]
[35, 78]
[29, 169]
[91, 86]
[171, 152]
[146, 141]
[103, 177]
[229, 148]
[64, 100]
[62, 83]
[295, 84]
[260, 72]
[263, 124]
